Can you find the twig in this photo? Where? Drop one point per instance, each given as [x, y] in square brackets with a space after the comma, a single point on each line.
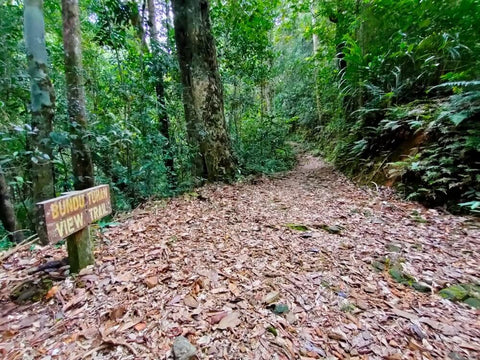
[94, 350]
[24, 244]
[122, 343]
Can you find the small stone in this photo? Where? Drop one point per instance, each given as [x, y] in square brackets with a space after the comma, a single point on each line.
[333, 229]
[291, 318]
[151, 281]
[394, 248]
[422, 287]
[337, 334]
[456, 356]
[182, 349]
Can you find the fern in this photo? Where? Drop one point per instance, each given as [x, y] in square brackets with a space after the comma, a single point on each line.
[461, 84]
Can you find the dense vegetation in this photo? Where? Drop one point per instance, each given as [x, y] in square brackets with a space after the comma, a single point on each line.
[388, 90]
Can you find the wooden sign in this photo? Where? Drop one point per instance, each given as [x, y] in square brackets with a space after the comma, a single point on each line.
[70, 213]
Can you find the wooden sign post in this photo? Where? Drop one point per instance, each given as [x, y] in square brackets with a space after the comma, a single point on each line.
[68, 216]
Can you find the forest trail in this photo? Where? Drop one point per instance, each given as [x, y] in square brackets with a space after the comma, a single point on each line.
[208, 265]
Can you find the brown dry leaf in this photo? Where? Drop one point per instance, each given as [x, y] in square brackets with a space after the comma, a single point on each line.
[215, 319]
[151, 281]
[235, 245]
[117, 312]
[140, 326]
[125, 277]
[271, 297]
[77, 300]
[230, 321]
[234, 289]
[190, 301]
[51, 293]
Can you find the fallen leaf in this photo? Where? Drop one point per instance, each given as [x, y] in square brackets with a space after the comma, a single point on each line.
[230, 321]
[271, 297]
[117, 312]
[51, 293]
[190, 301]
[151, 281]
[140, 326]
[215, 319]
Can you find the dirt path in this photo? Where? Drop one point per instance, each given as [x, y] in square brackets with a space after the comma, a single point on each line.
[205, 265]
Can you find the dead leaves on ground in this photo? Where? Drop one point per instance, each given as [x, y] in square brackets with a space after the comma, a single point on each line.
[224, 270]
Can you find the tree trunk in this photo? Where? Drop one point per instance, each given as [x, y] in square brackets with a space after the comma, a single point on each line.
[163, 121]
[81, 157]
[316, 45]
[7, 211]
[202, 91]
[42, 107]
[78, 244]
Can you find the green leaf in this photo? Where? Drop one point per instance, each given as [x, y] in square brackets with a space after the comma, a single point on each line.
[297, 227]
[454, 292]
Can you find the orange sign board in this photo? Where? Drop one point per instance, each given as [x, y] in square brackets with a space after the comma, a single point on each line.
[70, 213]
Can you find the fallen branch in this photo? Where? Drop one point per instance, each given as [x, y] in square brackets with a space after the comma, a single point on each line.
[24, 244]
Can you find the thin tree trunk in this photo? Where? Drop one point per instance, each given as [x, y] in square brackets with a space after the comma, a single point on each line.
[79, 246]
[81, 157]
[7, 211]
[163, 121]
[316, 43]
[42, 107]
[202, 91]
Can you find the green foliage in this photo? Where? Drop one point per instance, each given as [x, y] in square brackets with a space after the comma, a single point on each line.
[263, 147]
[398, 89]
[5, 243]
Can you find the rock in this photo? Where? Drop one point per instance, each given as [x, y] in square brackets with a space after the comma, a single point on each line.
[281, 309]
[333, 229]
[291, 318]
[182, 349]
[422, 287]
[456, 356]
[151, 281]
[394, 248]
[337, 334]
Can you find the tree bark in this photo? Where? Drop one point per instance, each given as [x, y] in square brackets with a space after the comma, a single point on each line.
[202, 91]
[77, 113]
[42, 107]
[316, 45]
[163, 121]
[7, 211]
[78, 245]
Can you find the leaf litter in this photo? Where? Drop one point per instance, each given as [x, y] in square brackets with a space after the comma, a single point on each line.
[210, 267]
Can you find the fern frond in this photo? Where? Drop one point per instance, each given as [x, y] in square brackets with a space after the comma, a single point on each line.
[464, 84]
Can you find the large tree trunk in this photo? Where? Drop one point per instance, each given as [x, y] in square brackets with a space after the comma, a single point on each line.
[78, 245]
[81, 157]
[202, 91]
[42, 107]
[7, 211]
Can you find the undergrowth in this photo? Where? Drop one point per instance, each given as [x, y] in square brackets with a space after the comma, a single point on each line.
[430, 149]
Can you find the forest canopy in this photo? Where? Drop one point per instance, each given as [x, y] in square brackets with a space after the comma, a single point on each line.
[389, 91]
